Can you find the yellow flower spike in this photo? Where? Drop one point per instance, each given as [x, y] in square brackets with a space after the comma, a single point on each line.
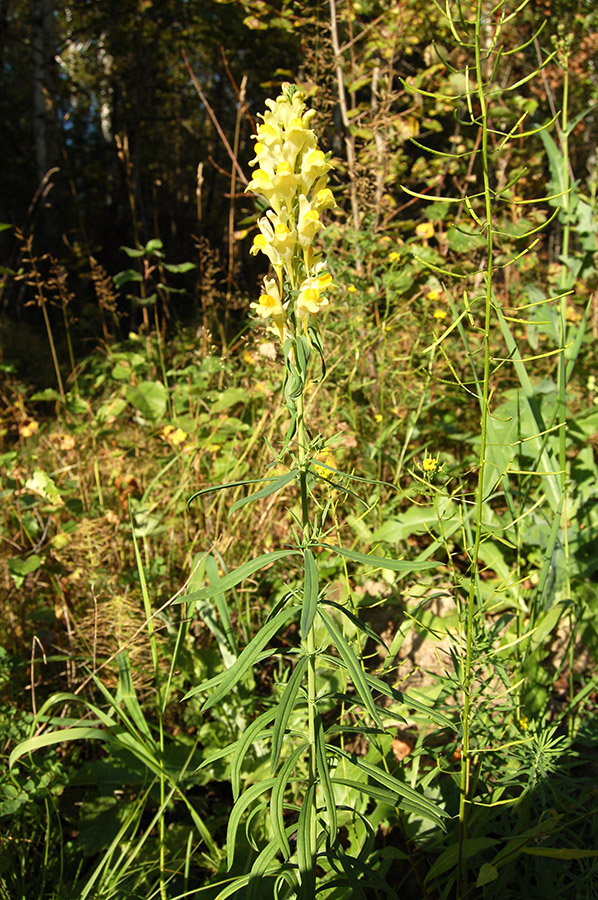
[292, 176]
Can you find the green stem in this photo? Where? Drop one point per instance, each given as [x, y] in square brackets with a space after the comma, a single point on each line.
[479, 501]
[310, 642]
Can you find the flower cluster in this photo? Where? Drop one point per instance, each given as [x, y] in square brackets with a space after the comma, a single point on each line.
[292, 176]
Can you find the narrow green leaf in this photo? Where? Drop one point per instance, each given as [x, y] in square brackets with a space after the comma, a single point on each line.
[276, 801]
[232, 579]
[221, 604]
[277, 484]
[284, 709]
[243, 802]
[409, 700]
[248, 657]
[129, 695]
[560, 852]
[213, 682]
[395, 565]
[63, 735]
[310, 593]
[323, 772]
[352, 664]
[362, 626]
[370, 790]
[304, 846]
[222, 487]
[411, 798]
[253, 733]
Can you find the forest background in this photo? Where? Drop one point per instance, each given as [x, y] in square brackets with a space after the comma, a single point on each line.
[133, 376]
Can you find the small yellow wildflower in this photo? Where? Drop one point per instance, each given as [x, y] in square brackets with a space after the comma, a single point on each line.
[433, 295]
[523, 723]
[28, 429]
[378, 417]
[425, 230]
[351, 288]
[429, 465]
[440, 314]
[394, 256]
[174, 436]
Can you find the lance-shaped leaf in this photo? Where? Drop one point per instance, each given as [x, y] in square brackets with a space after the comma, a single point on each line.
[284, 709]
[232, 579]
[244, 801]
[247, 658]
[256, 731]
[276, 801]
[353, 666]
[277, 484]
[323, 772]
[395, 565]
[411, 799]
[310, 593]
[409, 700]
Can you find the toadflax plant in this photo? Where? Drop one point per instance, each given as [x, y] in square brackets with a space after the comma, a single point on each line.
[317, 789]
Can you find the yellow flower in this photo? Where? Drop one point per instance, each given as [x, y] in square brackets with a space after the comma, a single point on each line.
[523, 723]
[174, 436]
[425, 230]
[292, 176]
[394, 256]
[378, 417]
[270, 305]
[28, 428]
[440, 314]
[433, 294]
[429, 465]
[351, 288]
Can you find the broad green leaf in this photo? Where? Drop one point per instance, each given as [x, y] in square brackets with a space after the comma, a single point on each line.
[126, 277]
[277, 484]
[149, 398]
[310, 593]
[232, 579]
[284, 709]
[450, 857]
[178, 268]
[395, 565]
[19, 568]
[40, 483]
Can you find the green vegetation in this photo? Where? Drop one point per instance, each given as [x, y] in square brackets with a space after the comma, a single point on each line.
[308, 613]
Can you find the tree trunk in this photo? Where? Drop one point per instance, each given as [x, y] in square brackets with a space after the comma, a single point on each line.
[43, 52]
